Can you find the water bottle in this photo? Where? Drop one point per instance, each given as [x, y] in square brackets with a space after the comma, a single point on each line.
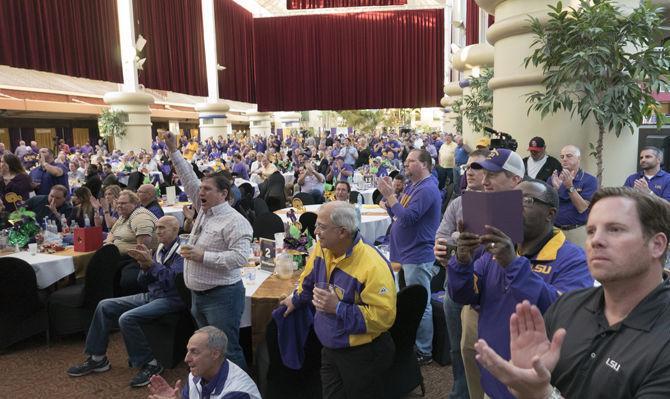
[73, 225]
[87, 221]
[359, 205]
[63, 224]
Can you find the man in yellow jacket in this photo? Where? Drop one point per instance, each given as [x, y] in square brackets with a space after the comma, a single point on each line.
[351, 286]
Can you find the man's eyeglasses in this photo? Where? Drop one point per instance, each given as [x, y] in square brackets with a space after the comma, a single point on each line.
[529, 201]
[323, 227]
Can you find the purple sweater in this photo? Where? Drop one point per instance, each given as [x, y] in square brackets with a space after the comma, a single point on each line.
[416, 217]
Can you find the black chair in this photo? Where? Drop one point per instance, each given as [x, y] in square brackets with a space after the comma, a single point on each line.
[377, 196]
[276, 381]
[167, 335]
[272, 191]
[405, 373]
[260, 206]
[71, 308]
[247, 191]
[308, 221]
[354, 197]
[23, 311]
[266, 225]
[135, 180]
[306, 198]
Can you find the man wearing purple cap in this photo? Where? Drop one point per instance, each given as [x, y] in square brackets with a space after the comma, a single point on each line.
[539, 269]
[540, 165]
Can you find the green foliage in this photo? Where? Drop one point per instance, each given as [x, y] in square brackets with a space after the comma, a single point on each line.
[112, 123]
[476, 105]
[457, 108]
[362, 119]
[598, 62]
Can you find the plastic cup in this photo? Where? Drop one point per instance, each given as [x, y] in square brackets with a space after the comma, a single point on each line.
[32, 248]
[185, 240]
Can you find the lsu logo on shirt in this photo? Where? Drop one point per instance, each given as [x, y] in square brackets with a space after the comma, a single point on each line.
[542, 269]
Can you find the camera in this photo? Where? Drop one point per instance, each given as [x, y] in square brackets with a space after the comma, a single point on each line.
[502, 140]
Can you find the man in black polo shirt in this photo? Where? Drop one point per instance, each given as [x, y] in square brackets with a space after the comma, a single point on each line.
[611, 341]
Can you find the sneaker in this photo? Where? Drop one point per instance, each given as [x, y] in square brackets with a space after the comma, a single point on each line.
[142, 378]
[89, 366]
[423, 359]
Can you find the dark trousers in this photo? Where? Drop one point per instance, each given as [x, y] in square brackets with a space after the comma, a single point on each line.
[129, 272]
[356, 372]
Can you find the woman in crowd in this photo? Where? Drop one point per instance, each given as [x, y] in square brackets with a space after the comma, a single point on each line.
[108, 205]
[83, 207]
[15, 181]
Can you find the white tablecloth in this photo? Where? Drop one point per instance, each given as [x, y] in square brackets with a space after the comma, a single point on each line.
[289, 177]
[250, 288]
[374, 221]
[48, 268]
[176, 211]
[366, 193]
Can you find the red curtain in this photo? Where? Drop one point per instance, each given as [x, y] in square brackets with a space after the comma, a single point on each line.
[70, 37]
[235, 51]
[349, 61]
[307, 4]
[175, 49]
[471, 23]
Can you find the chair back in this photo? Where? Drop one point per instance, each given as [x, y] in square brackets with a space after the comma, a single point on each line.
[410, 306]
[260, 206]
[102, 274]
[377, 196]
[306, 198]
[18, 289]
[247, 191]
[266, 225]
[308, 221]
[135, 180]
[182, 290]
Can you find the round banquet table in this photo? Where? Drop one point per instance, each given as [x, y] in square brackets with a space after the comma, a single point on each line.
[374, 220]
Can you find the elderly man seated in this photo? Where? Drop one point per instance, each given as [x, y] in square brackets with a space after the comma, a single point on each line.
[147, 195]
[212, 375]
[135, 225]
[127, 313]
[352, 288]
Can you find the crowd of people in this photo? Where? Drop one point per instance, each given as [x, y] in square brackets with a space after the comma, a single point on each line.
[503, 297]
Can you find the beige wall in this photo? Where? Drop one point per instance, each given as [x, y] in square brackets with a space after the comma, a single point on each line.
[512, 40]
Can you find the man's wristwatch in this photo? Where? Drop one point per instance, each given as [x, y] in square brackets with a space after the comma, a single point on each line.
[572, 189]
[554, 394]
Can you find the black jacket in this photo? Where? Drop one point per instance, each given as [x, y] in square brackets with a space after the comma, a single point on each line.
[547, 169]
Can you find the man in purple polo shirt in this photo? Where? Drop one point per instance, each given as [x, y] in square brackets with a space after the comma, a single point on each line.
[540, 269]
[416, 216]
[240, 168]
[575, 189]
[651, 179]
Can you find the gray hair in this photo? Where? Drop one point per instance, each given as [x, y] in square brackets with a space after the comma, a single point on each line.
[216, 339]
[657, 152]
[577, 152]
[344, 215]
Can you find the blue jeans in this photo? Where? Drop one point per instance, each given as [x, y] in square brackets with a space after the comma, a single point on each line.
[421, 274]
[127, 313]
[452, 314]
[222, 307]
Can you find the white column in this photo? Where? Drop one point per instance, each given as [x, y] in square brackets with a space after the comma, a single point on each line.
[127, 42]
[131, 99]
[209, 35]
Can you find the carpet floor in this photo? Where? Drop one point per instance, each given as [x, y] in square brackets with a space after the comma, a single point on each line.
[32, 370]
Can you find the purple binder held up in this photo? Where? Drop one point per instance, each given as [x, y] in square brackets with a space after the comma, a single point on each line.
[502, 209]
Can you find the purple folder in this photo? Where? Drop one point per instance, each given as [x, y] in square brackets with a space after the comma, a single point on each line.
[502, 209]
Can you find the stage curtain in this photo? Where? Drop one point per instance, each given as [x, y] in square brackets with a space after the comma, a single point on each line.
[471, 23]
[69, 37]
[234, 48]
[349, 61]
[175, 49]
[309, 4]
